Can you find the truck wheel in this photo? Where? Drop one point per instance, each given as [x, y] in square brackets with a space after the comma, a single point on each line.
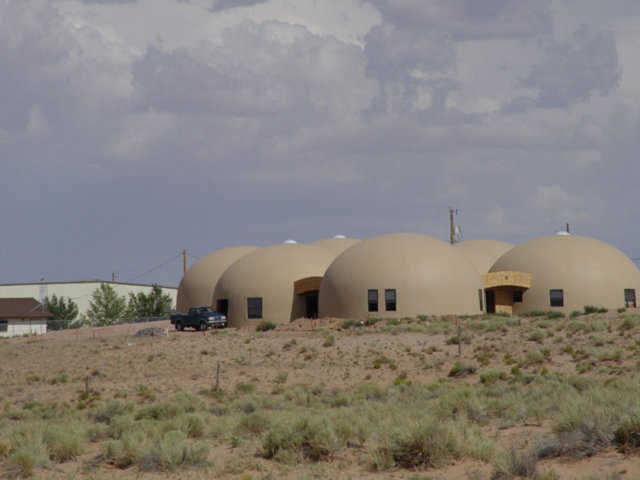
[203, 326]
[178, 325]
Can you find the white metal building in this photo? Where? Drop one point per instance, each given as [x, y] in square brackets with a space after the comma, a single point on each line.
[80, 292]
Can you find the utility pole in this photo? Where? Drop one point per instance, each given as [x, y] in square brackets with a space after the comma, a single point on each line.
[452, 226]
[184, 261]
[568, 231]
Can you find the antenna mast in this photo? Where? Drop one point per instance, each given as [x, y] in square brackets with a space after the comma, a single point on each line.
[452, 225]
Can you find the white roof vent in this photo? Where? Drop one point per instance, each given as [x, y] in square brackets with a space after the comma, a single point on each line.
[290, 241]
[340, 236]
[562, 232]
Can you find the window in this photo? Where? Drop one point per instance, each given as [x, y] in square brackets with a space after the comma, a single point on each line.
[480, 299]
[222, 306]
[390, 299]
[254, 307]
[556, 297]
[517, 296]
[4, 325]
[373, 300]
[630, 297]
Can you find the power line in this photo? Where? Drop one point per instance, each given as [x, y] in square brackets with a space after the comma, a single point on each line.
[153, 269]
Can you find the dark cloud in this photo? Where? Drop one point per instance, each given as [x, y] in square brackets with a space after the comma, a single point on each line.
[574, 70]
[219, 5]
[116, 157]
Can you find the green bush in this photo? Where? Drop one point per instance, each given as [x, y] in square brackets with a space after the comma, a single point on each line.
[627, 435]
[63, 443]
[265, 326]
[245, 388]
[307, 437]
[537, 336]
[589, 309]
[255, 423]
[575, 313]
[60, 377]
[460, 369]
[492, 376]
[426, 444]
[513, 463]
[329, 341]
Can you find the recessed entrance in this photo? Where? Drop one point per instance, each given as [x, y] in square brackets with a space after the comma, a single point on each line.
[306, 293]
[490, 301]
[504, 289]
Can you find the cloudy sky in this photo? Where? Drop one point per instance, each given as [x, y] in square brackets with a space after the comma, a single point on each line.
[130, 129]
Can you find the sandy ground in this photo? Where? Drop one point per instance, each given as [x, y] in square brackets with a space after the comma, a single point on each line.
[115, 361]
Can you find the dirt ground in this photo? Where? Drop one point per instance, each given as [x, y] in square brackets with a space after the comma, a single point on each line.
[114, 362]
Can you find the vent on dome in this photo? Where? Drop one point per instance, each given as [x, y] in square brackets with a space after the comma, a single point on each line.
[562, 232]
[340, 236]
[290, 241]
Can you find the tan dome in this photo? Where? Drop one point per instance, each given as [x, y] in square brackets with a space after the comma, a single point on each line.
[588, 271]
[428, 276]
[269, 274]
[483, 253]
[196, 287]
[336, 245]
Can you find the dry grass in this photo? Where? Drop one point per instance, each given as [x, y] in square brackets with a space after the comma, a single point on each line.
[341, 400]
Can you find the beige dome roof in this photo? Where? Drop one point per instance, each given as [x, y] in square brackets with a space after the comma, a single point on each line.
[196, 287]
[589, 272]
[483, 253]
[336, 245]
[429, 276]
[270, 273]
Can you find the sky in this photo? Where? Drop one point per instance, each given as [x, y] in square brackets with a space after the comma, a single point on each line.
[133, 129]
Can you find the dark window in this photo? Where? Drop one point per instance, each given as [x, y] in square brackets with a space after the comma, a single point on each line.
[480, 298]
[4, 325]
[373, 300]
[556, 297]
[222, 306]
[254, 307]
[390, 299]
[517, 296]
[630, 297]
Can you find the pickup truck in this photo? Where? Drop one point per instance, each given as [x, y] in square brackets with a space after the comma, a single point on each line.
[199, 318]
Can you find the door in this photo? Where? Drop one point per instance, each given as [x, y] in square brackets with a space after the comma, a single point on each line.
[312, 305]
[490, 301]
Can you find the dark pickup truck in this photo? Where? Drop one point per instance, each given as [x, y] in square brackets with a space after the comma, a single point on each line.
[199, 318]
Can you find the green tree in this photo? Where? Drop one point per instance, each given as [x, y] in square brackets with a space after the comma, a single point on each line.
[106, 306]
[152, 304]
[64, 312]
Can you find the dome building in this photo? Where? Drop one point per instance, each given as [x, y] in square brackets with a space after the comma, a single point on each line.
[196, 287]
[278, 283]
[566, 272]
[399, 275]
[337, 244]
[483, 253]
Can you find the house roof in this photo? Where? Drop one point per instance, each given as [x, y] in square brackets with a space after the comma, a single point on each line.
[22, 308]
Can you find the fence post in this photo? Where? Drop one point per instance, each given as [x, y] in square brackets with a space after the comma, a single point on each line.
[218, 376]
[459, 337]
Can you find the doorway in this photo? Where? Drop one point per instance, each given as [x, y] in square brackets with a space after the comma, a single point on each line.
[222, 306]
[311, 302]
[490, 301]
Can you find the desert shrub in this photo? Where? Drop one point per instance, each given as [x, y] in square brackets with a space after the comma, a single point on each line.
[393, 321]
[159, 411]
[63, 443]
[575, 313]
[381, 360]
[104, 412]
[514, 463]
[265, 326]
[329, 341]
[492, 376]
[627, 434]
[23, 462]
[464, 338]
[307, 437]
[369, 391]
[192, 425]
[533, 358]
[621, 310]
[163, 452]
[537, 336]
[98, 431]
[425, 444]
[255, 422]
[460, 369]
[5, 448]
[244, 388]
[533, 313]
[60, 377]
[589, 309]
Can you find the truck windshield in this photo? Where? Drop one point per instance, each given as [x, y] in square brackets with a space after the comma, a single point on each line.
[201, 310]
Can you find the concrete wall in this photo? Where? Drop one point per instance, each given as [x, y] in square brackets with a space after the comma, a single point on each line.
[79, 292]
[18, 328]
